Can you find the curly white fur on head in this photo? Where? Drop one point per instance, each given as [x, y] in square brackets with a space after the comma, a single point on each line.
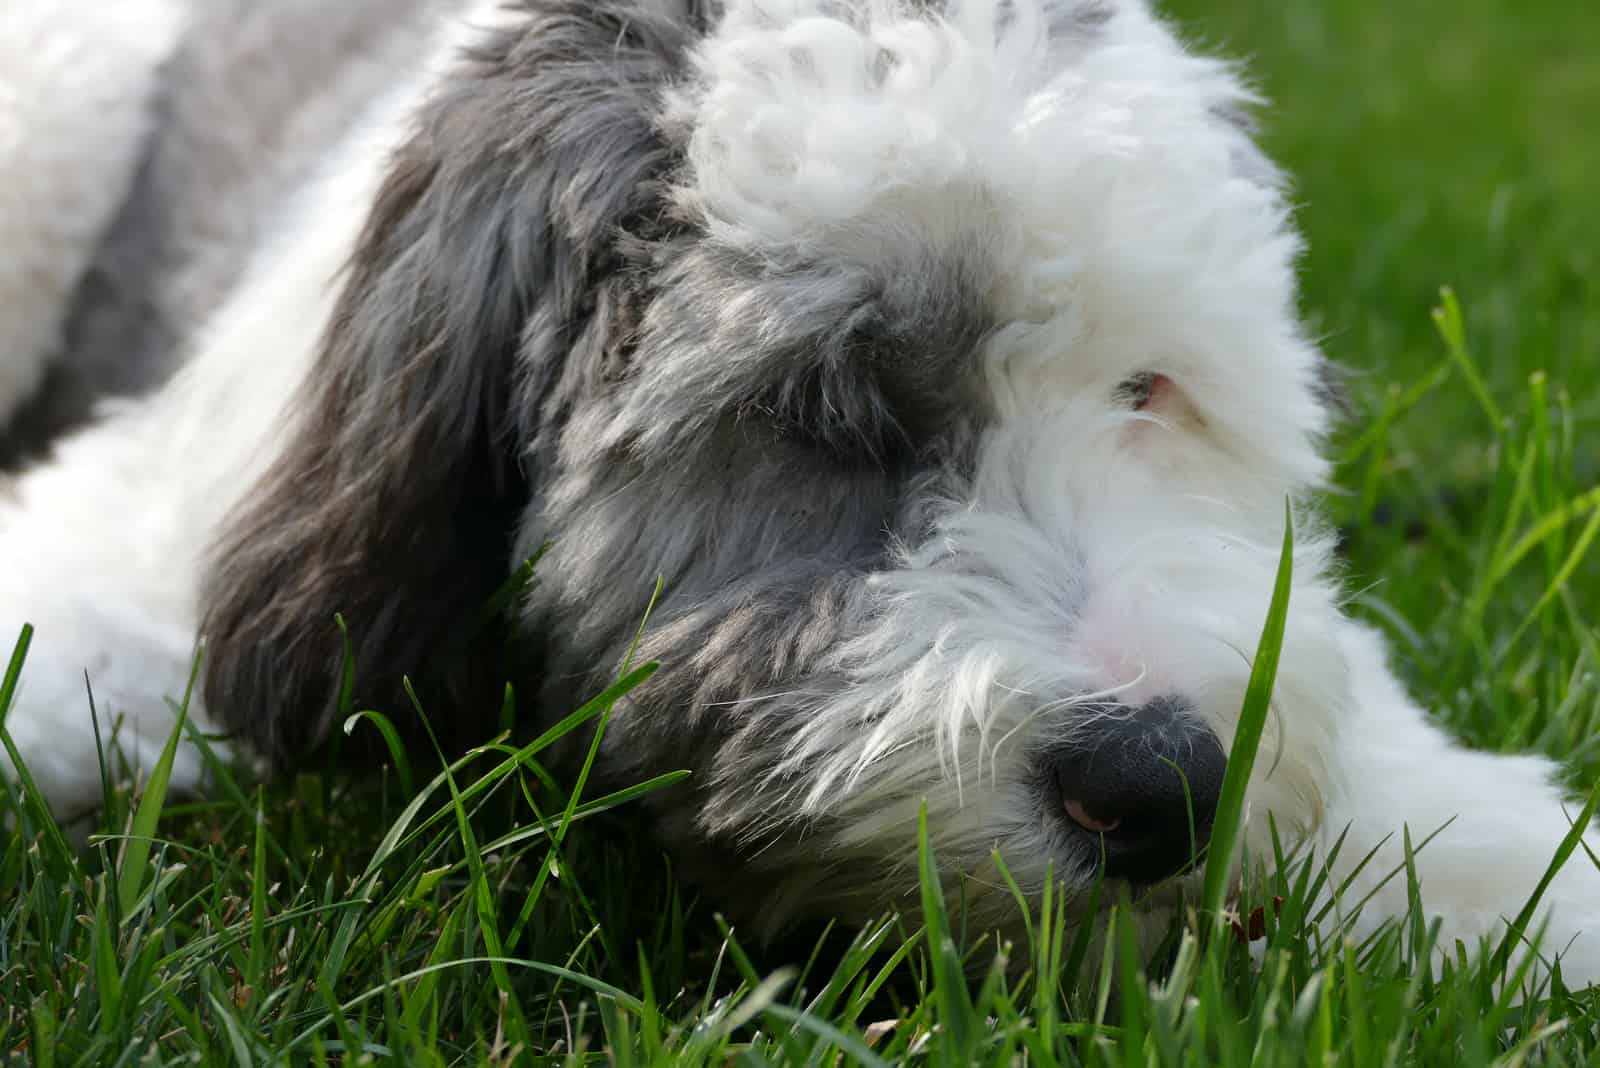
[1104, 184]
[1095, 551]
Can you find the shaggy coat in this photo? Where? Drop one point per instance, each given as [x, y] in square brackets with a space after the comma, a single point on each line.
[942, 360]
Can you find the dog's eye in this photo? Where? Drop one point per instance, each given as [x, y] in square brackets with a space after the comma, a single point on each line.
[1142, 390]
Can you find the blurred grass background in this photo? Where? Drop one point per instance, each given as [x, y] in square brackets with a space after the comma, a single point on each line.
[1434, 143]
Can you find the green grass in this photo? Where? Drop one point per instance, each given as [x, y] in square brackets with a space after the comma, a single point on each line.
[493, 914]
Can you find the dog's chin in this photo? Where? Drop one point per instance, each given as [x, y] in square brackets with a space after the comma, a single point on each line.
[785, 905]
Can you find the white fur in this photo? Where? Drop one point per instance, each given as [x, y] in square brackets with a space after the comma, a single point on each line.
[1126, 240]
[77, 80]
[141, 493]
[1100, 551]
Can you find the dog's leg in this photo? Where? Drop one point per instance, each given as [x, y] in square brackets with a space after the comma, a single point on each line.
[76, 86]
[1503, 818]
[104, 545]
[102, 549]
[105, 615]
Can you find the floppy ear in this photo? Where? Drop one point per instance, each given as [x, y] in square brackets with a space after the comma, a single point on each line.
[487, 265]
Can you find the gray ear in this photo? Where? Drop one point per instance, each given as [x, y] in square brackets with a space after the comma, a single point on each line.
[488, 264]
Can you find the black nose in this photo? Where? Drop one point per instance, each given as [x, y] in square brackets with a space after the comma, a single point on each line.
[1143, 781]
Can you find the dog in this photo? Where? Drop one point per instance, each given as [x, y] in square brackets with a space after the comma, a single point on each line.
[941, 360]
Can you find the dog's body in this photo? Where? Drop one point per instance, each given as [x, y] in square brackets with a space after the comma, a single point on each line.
[77, 94]
[945, 365]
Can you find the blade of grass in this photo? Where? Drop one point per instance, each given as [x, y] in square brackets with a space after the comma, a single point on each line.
[847, 1044]
[135, 863]
[1569, 845]
[391, 739]
[1558, 581]
[1447, 317]
[347, 671]
[56, 843]
[512, 588]
[595, 986]
[483, 893]
[1226, 830]
[107, 976]
[953, 999]
[256, 969]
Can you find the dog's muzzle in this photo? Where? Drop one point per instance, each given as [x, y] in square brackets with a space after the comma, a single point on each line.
[1141, 782]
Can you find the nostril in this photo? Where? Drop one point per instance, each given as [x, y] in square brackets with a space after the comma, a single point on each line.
[1080, 815]
[1144, 781]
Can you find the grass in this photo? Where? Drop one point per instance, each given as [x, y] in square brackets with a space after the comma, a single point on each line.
[491, 914]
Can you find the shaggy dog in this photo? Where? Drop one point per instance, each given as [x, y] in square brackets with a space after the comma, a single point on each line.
[942, 358]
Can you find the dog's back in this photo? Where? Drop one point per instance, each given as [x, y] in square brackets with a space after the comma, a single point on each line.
[256, 94]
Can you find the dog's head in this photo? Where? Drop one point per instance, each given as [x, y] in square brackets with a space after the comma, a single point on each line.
[943, 359]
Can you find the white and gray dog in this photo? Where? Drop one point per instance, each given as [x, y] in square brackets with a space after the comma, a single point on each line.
[942, 358]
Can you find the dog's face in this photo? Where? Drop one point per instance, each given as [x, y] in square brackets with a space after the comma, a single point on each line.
[945, 365]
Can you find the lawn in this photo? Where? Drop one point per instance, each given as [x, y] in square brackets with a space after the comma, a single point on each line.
[490, 916]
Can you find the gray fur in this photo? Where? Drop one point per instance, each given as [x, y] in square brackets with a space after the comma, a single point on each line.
[398, 502]
[254, 96]
[1081, 19]
[1067, 20]
[536, 346]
